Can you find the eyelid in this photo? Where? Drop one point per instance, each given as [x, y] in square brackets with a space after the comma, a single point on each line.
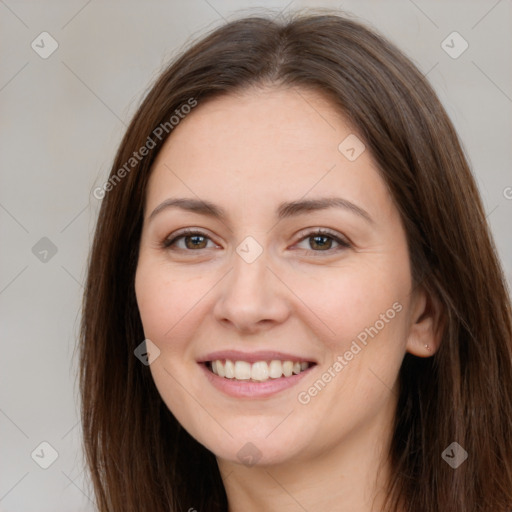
[172, 238]
[308, 232]
[343, 242]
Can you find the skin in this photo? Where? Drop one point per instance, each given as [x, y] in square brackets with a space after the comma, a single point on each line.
[248, 153]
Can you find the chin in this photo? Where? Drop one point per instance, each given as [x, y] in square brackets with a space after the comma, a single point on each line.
[256, 443]
[258, 452]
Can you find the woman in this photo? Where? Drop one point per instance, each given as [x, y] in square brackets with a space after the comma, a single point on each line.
[292, 245]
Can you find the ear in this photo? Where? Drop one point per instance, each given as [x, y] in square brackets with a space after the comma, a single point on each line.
[427, 325]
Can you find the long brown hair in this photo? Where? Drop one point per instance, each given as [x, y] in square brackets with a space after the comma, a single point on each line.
[138, 455]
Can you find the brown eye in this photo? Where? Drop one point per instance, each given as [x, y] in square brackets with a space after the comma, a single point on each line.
[193, 240]
[196, 241]
[322, 241]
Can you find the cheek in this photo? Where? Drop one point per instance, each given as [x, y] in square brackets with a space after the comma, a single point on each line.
[357, 299]
[368, 312]
[164, 298]
[163, 304]
[167, 304]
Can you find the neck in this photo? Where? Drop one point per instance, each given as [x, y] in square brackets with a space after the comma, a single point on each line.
[349, 477]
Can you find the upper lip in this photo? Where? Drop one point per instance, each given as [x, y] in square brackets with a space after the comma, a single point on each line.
[253, 357]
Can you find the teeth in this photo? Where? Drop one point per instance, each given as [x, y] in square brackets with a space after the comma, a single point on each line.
[259, 371]
[287, 368]
[242, 370]
[221, 372]
[275, 369]
[229, 368]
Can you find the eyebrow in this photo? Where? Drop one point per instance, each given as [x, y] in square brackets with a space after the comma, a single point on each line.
[285, 210]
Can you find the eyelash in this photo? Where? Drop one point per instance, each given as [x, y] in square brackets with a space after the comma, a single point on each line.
[169, 242]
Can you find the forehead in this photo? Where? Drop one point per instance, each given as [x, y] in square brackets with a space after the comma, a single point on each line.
[262, 145]
[271, 124]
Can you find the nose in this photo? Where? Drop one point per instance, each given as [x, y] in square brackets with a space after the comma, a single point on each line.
[252, 297]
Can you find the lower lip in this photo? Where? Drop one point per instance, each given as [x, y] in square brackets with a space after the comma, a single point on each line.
[251, 389]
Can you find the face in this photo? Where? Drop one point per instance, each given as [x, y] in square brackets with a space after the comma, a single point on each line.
[281, 327]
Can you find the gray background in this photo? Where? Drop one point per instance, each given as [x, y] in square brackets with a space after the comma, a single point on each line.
[62, 119]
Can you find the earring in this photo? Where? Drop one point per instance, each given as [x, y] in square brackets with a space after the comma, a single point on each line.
[428, 347]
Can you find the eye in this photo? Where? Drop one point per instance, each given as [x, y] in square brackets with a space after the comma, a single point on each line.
[322, 241]
[193, 240]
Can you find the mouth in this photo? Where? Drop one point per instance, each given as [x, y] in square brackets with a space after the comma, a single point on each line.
[254, 375]
[258, 371]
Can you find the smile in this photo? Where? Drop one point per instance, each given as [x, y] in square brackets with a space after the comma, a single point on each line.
[255, 375]
[259, 371]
